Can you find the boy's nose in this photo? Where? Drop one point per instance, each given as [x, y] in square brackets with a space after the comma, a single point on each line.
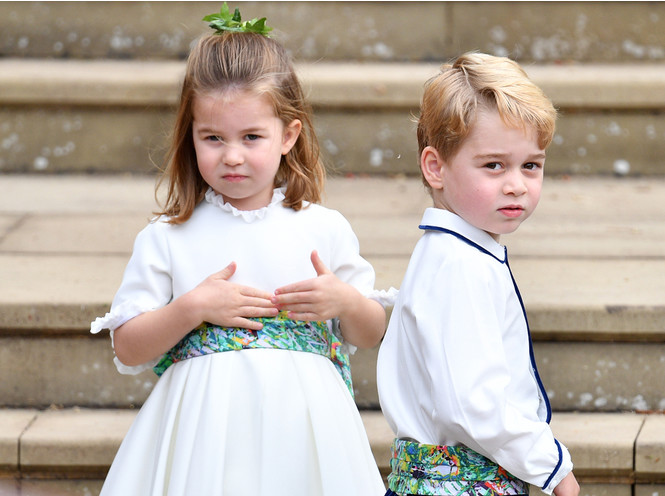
[514, 185]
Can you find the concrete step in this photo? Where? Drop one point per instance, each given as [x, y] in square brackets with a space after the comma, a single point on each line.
[614, 454]
[590, 266]
[81, 116]
[532, 32]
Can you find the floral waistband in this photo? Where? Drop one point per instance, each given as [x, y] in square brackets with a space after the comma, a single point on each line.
[448, 470]
[278, 333]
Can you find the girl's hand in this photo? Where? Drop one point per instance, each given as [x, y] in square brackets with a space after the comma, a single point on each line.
[215, 300]
[220, 302]
[362, 321]
[321, 298]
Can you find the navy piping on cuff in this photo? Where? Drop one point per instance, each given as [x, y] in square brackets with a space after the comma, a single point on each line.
[558, 466]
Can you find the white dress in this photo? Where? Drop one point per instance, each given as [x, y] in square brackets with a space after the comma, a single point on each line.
[251, 422]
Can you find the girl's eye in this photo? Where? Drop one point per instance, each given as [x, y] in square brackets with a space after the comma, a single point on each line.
[215, 138]
[252, 137]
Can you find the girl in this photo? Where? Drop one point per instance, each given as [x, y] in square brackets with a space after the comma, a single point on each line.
[243, 294]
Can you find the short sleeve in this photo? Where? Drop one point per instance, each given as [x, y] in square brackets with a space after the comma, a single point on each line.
[146, 286]
[350, 267]
[346, 262]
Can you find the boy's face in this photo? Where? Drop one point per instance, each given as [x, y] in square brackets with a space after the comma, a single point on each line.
[495, 178]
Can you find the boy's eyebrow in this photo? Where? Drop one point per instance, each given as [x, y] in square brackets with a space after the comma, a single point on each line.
[539, 155]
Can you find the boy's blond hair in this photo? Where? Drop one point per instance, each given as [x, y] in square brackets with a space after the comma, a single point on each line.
[476, 81]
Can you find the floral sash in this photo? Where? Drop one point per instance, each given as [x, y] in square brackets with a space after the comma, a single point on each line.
[279, 332]
[448, 470]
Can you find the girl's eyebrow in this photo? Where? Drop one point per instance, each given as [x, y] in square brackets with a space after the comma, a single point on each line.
[211, 130]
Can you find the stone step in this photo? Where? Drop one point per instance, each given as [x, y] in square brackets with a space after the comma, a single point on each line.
[590, 266]
[77, 370]
[532, 32]
[614, 454]
[73, 116]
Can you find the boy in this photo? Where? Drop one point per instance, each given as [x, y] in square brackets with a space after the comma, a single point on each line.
[456, 375]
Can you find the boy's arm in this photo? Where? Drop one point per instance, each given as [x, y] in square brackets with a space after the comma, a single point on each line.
[568, 486]
[476, 401]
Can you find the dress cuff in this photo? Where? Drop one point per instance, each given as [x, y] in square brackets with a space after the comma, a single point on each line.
[385, 298]
[127, 370]
[123, 312]
[117, 316]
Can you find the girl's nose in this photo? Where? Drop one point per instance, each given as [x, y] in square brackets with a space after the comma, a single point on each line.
[232, 156]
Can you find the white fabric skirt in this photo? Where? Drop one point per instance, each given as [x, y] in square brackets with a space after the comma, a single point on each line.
[247, 423]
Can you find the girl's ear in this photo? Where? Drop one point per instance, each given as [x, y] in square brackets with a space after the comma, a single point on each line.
[291, 133]
[431, 165]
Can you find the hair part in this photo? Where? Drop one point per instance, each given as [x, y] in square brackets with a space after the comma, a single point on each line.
[473, 82]
[241, 62]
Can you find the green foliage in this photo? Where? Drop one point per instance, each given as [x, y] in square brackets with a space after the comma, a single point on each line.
[224, 21]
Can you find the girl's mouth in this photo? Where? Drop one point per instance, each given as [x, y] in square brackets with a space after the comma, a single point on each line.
[233, 178]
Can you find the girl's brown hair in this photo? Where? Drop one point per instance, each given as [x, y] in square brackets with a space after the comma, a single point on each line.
[246, 62]
[476, 81]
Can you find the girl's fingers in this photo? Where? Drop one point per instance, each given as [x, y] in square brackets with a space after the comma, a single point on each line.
[319, 266]
[264, 301]
[290, 289]
[292, 300]
[226, 272]
[298, 307]
[309, 316]
[252, 325]
[259, 311]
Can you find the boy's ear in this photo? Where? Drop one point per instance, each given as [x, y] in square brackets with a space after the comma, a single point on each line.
[291, 133]
[431, 165]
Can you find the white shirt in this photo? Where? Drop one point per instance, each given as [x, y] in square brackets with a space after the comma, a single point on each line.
[456, 365]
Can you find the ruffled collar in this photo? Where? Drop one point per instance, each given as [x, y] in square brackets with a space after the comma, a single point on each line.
[247, 215]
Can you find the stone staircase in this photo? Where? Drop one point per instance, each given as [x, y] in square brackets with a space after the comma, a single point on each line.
[87, 92]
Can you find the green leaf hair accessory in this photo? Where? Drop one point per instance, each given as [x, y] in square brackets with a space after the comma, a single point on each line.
[224, 21]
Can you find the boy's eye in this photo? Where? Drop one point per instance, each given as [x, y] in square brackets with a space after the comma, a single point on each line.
[531, 166]
[493, 166]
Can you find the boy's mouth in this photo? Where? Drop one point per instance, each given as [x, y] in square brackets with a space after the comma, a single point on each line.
[512, 211]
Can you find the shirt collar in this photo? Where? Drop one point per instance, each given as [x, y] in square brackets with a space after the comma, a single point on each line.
[438, 218]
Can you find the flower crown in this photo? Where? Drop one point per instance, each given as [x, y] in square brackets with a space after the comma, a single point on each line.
[224, 21]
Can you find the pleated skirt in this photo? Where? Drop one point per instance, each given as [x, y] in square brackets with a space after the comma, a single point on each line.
[247, 423]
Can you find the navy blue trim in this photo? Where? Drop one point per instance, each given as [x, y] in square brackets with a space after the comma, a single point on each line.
[528, 330]
[531, 354]
[466, 240]
[558, 465]
[519, 297]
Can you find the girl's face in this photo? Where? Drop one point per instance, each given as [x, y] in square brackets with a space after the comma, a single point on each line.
[494, 180]
[239, 142]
